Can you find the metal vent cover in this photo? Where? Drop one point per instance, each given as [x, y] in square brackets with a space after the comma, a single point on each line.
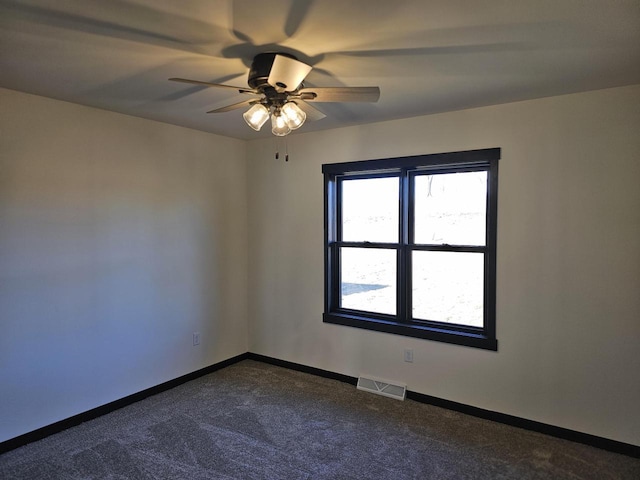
[382, 387]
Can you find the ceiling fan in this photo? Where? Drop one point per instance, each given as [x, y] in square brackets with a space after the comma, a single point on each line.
[275, 85]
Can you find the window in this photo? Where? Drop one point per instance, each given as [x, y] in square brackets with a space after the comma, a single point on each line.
[410, 246]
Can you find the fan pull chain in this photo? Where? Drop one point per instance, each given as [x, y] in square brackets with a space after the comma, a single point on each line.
[277, 149]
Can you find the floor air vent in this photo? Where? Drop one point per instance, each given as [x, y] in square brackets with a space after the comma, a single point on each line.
[382, 387]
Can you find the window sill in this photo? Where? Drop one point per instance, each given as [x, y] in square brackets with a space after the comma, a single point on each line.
[418, 331]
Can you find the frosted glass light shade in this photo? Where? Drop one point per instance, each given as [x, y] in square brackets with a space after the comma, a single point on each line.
[256, 116]
[293, 115]
[279, 125]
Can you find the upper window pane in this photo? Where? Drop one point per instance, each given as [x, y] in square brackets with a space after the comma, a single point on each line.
[370, 209]
[450, 208]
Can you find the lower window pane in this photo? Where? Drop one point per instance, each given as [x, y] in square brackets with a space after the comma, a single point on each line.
[368, 279]
[448, 287]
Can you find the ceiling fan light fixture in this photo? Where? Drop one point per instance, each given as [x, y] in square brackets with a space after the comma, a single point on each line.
[256, 116]
[277, 79]
[294, 116]
[279, 125]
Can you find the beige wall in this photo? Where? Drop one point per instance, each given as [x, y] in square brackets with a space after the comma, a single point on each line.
[568, 302]
[119, 238]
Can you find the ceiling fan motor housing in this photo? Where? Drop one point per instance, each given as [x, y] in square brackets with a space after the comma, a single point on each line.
[261, 68]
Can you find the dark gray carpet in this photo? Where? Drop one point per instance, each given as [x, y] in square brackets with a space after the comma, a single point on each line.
[257, 421]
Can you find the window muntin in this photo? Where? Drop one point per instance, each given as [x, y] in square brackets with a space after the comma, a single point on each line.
[410, 246]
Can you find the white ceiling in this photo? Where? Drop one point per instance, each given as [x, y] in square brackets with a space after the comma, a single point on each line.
[426, 56]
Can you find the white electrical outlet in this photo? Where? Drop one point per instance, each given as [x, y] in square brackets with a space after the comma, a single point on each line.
[196, 338]
[408, 355]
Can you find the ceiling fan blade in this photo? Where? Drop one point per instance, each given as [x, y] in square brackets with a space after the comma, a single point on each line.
[218, 85]
[312, 112]
[287, 73]
[228, 108]
[340, 94]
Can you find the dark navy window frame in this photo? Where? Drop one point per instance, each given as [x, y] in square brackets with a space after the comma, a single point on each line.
[406, 168]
